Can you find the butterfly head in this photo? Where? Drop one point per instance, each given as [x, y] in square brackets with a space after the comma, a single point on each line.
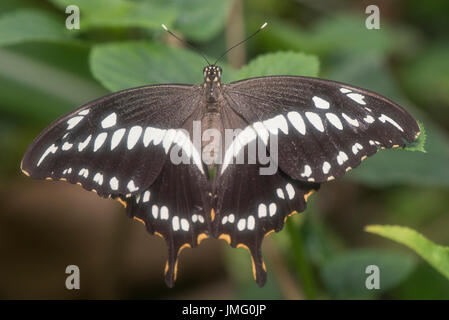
[212, 73]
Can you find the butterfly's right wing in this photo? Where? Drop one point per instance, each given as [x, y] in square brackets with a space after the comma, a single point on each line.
[122, 146]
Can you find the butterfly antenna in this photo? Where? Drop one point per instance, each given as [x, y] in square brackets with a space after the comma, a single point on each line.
[236, 45]
[186, 43]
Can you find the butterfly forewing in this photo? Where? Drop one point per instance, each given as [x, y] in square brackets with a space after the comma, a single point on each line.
[324, 128]
[116, 144]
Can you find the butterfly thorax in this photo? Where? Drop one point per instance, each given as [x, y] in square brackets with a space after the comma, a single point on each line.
[212, 82]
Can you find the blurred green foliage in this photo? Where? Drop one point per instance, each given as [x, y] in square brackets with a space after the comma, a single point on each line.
[46, 70]
[437, 256]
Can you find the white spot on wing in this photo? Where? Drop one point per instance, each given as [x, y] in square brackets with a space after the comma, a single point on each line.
[345, 90]
[113, 183]
[133, 136]
[67, 146]
[131, 186]
[315, 120]
[262, 210]
[262, 132]
[280, 193]
[168, 139]
[100, 140]
[384, 118]
[356, 147]
[84, 144]
[241, 224]
[146, 196]
[251, 223]
[342, 157]
[272, 209]
[175, 223]
[231, 218]
[326, 167]
[155, 211]
[185, 224]
[109, 121]
[98, 178]
[51, 149]
[164, 213]
[368, 119]
[117, 137]
[297, 122]
[243, 138]
[84, 112]
[307, 171]
[353, 122]
[72, 122]
[183, 140]
[276, 123]
[84, 172]
[153, 134]
[290, 191]
[320, 103]
[334, 120]
[357, 97]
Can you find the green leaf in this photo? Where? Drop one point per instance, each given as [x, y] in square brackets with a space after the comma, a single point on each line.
[426, 78]
[345, 274]
[30, 25]
[201, 20]
[131, 64]
[339, 33]
[436, 255]
[418, 144]
[42, 81]
[121, 13]
[280, 63]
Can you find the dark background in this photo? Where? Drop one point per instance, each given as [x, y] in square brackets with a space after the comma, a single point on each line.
[46, 71]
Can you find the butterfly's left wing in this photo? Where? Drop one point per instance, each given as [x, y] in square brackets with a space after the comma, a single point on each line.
[324, 128]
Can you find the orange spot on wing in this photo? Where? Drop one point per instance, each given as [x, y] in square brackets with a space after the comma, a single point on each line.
[269, 232]
[241, 245]
[123, 203]
[212, 215]
[201, 237]
[306, 196]
[225, 237]
[140, 220]
[158, 234]
[185, 245]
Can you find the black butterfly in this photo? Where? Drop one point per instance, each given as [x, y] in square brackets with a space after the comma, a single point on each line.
[120, 146]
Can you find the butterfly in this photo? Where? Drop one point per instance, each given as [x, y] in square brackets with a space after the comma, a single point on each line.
[138, 146]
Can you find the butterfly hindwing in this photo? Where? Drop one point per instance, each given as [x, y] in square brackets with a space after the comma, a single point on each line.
[249, 209]
[176, 208]
[324, 128]
[116, 144]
